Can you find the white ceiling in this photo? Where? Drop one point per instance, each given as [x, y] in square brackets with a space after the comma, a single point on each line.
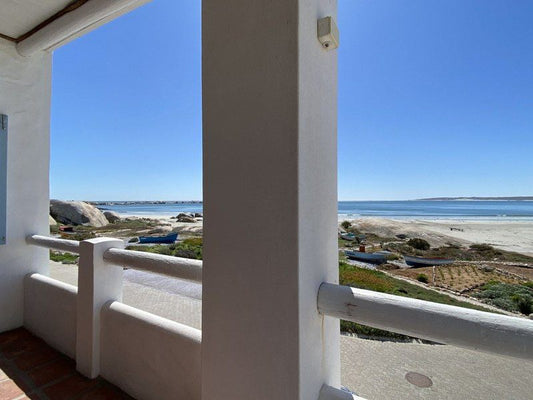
[20, 16]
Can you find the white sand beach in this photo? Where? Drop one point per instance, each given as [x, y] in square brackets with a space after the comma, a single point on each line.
[511, 235]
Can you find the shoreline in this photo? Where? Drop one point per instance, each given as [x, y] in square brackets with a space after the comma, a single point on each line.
[510, 235]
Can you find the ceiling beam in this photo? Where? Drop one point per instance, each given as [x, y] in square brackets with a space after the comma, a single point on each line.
[78, 18]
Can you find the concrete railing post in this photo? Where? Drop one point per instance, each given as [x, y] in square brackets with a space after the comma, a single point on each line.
[270, 200]
[98, 282]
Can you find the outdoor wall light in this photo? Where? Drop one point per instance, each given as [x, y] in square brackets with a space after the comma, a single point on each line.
[328, 33]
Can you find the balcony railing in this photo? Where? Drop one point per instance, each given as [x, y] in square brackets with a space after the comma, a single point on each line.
[472, 329]
[457, 326]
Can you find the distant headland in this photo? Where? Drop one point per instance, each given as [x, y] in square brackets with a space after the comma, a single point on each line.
[511, 198]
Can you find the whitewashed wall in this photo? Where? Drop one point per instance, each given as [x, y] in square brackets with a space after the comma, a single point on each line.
[50, 312]
[25, 98]
[149, 357]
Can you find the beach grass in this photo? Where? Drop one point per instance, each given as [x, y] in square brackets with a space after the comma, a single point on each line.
[363, 278]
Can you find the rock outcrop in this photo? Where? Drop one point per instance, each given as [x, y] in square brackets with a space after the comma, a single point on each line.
[77, 213]
[111, 216]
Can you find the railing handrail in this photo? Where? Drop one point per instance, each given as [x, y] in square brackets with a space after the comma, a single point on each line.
[177, 267]
[72, 246]
[462, 327]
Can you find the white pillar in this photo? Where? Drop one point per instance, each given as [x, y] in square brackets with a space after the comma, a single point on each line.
[98, 283]
[270, 200]
[25, 98]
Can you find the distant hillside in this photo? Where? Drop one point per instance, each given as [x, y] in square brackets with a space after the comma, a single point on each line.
[515, 198]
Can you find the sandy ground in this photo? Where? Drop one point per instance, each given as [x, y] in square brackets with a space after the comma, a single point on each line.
[507, 235]
[183, 227]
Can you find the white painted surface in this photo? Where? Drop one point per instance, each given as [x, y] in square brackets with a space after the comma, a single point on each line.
[149, 357]
[20, 16]
[330, 393]
[177, 267]
[73, 24]
[50, 312]
[25, 98]
[98, 283]
[462, 327]
[270, 150]
[48, 242]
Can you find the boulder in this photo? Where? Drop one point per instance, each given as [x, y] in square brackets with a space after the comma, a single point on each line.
[112, 216]
[186, 219]
[77, 213]
[51, 221]
[198, 215]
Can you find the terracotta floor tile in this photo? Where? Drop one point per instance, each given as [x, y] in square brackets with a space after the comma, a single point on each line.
[3, 376]
[7, 338]
[106, 392]
[57, 369]
[19, 346]
[31, 359]
[30, 369]
[70, 387]
[9, 390]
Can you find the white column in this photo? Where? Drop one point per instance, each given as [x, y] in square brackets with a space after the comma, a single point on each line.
[98, 283]
[270, 200]
[25, 98]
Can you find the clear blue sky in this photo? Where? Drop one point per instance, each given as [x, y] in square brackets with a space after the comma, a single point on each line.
[435, 99]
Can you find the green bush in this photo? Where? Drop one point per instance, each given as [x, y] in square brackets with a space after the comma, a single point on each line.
[419, 244]
[346, 224]
[509, 297]
[525, 305]
[64, 258]
[188, 248]
[482, 247]
[422, 278]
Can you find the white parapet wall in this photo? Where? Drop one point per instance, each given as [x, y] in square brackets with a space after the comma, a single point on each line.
[149, 357]
[25, 99]
[50, 312]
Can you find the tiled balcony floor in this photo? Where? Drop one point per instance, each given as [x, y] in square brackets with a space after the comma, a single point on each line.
[30, 369]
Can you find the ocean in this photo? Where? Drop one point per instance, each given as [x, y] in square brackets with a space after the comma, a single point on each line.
[416, 209]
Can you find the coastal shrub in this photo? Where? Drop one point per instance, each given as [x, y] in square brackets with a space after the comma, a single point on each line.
[188, 248]
[509, 297]
[528, 284]
[351, 275]
[422, 278]
[64, 258]
[84, 235]
[346, 224]
[419, 244]
[481, 247]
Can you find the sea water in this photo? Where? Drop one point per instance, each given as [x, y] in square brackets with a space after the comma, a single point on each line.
[415, 209]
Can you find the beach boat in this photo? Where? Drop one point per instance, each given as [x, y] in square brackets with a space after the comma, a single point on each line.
[419, 262]
[372, 258]
[170, 238]
[351, 236]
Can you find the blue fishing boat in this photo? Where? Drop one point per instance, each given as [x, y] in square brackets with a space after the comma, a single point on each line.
[351, 236]
[372, 258]
[170, 238]
[419, 262]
